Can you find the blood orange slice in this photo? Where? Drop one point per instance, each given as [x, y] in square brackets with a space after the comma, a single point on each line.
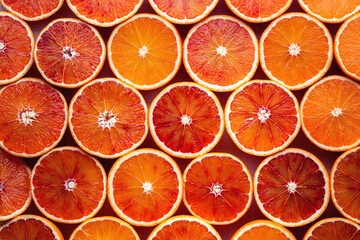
[330, 113]
[69, 53]
[262, 117]
[33, 117]
[186, 120]
[292, 187]
[108, 118]
[218, 188]
[145, 187]
[221, 53]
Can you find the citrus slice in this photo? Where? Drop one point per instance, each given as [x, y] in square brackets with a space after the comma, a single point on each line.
[258, 11]
[334, 11]
[296, 50]
[330, 113]
[221, 53]
[32, 10]
[333, 229]
[185, 228]
[69, 53]
[68, 185]
[217, 188]
[104, 13]
[145, 51]
[33, 117]
[347, 47]
[186, 120]
[15, 189]
[345, 184]
[259, 229]
[145, 187]
[108, 118]
[183, 12]
[30, 227]
[104, 228]
[292, 187]
[16, 48]
[262, 117]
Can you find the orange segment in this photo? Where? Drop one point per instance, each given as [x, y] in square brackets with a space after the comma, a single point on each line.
[145, 187]
[221, 53]
[330, 113]
[145, 51]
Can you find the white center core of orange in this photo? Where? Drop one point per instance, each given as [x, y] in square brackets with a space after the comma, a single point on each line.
[2, 46]
[27, 116]
[294, 49]
[143, 51]
[147, 187]
[291, 187]
[336, 112]
[70, 185]
[263, 114]
[185, 120]
[1, 187]
[69, 53]
[106, 120]
[216, 189]
[221, 50]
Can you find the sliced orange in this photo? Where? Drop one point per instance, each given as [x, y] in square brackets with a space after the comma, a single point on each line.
[145, 187]
[30, 227]
[221, 53]
[259, 229]
[258, 11]
[104, 228]
[104, 13]
[330, 113]
[185, 228]
[347, 47]
[108, 118]
[68, 185]
[186, 120]
[262, 117]
[183, 12]
[15, 191]
[292, 187]
[16, 48]
[333, 229]
[69, 52]
[145, 51]
[33, 117]
[296, 50]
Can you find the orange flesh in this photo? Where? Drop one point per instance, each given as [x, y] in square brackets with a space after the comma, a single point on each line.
[217, 171]
[32, 8]
[68, 52]
[16, 54]
[51, 177]
[249, 130]
[278, 200]
[44, 129]
[214, 68]
[130, 196]
[191, 102]
[259, 232]
[333, 230]
[319, 121]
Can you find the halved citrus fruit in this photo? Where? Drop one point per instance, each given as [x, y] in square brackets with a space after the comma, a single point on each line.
[333, 229]
[104, 228]
[145, 51]
[330, 113]
[33, 117]
[292, 187]
[217, 188]
[104, 13]
[221, 53]
[108, 118]
[186, 120]
[68, 185]
[334, 11]
[296, 50]
[345, 184]
[259, 229]
[15, 188]
[183, 12]
[16, 48]
[30, 227]
[262, 117]
[258, 11]
[69, 52]
[145, 187]
[185, 228]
